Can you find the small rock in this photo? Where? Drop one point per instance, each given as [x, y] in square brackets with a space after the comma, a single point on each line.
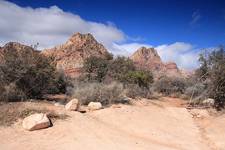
[58, 104]
[36, 121]
[72, 105]
[94, 106]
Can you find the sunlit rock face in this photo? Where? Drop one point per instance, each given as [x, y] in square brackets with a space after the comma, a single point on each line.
[148, 58]
[71, 55]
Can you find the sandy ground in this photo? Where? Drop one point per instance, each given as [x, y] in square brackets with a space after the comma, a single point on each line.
[145, 125]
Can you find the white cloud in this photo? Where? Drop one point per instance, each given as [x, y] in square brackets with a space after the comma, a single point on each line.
[184, 54]
[50, 26]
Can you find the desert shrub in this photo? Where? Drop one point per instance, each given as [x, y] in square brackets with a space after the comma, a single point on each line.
[135, 91]
[98, 92]
[95, 69]
[213, 68]
[12, 92]
[28, 71]
[170, 85]
[59, 83]
[119, 67]
[11, 112]
[197, 90]
[140, 77]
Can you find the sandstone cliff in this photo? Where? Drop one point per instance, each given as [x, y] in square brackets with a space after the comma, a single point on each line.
[148, 58]
[71, 55]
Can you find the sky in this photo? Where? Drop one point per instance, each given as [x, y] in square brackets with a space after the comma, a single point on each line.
[178, 29]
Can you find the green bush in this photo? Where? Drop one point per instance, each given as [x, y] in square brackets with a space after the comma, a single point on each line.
[119, 67]
[140, 77]
[95, 69]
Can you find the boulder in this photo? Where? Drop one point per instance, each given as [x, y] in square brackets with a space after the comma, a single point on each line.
[72, 105]
[94, 106]
[36, 121]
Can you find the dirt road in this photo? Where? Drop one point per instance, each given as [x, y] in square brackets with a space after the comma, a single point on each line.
[158, 125]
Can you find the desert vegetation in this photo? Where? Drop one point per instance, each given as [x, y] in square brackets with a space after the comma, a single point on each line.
[29, 74]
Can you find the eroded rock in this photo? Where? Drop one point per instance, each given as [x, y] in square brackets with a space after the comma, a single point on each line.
[94, 106]
[72, 105]
[36, 121]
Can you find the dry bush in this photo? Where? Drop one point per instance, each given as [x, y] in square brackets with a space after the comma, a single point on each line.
[213, 69]
[134, 91]
[11, 92]
[27, 72]
[98, 92]
[197, 91]
[11, 112]
[170, 86]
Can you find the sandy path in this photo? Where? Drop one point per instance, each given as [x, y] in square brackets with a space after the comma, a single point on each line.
[153, 126]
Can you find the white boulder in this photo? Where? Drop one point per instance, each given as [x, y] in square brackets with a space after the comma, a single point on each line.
[72, 105]
[36, 121]
[94, 106]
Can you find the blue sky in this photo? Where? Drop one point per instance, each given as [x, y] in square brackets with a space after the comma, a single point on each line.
[179, 29]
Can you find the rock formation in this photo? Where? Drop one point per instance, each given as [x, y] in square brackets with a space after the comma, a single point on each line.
[148, 58]
[14, 48]
[36, 121]
[71, 55]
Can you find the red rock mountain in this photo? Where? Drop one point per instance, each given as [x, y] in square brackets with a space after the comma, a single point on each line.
[148, 58]
[71, 55]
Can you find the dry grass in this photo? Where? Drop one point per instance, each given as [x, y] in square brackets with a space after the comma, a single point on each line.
[11, 112]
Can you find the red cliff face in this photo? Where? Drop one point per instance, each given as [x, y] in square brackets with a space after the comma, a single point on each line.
[71, 55]
[148, 58]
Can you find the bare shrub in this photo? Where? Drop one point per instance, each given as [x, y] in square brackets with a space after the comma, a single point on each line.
[135, 91]
[12, 93]
[213, 69]
[11, 112]
[98, 92]
[197, 91]
[170, 85]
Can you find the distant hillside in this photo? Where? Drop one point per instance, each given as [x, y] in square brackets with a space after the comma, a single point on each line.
[148, 58]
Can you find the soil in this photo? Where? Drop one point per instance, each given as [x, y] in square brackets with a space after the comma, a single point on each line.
[163, 124]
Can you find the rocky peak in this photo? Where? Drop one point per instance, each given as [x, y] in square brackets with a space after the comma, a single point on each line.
[148, 58]
[171, 65]
[146, 54]
[81, 39]
[15, 46]
[71, 55]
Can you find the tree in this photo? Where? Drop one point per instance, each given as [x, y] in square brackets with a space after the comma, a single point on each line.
[140, 77]
[215, 70]
[95, 68]
[119, 67]
[28, 70]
